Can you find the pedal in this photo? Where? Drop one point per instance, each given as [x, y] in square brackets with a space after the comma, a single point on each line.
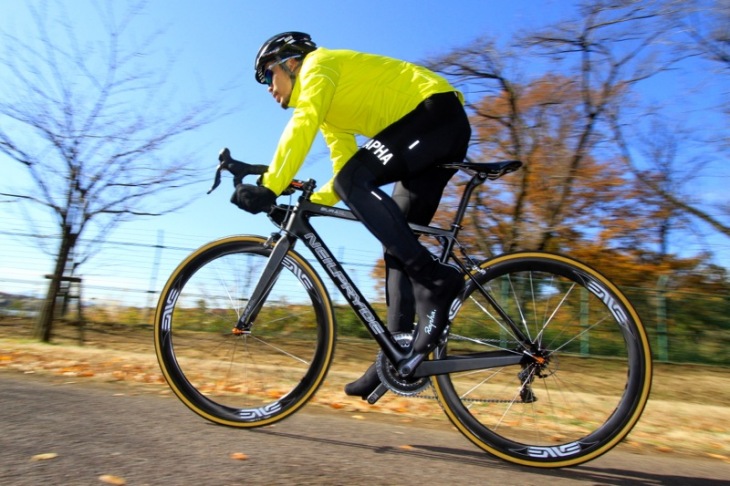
[377, 394]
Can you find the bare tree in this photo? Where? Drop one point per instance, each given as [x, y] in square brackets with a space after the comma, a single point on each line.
[558, 124]
[698, 30]
[659, 180]
[708, 29]
[481, 67]
[88, 119]
[611, 49]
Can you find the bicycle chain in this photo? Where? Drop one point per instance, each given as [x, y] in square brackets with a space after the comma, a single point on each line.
[469, 400]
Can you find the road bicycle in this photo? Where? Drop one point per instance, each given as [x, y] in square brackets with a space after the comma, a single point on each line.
[545, 362]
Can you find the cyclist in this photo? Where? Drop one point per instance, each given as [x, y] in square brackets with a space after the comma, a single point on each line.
[415, 120]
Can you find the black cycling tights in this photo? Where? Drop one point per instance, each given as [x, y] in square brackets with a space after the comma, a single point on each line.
[408, 152]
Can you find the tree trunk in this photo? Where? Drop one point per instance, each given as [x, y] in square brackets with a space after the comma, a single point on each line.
[44, 324]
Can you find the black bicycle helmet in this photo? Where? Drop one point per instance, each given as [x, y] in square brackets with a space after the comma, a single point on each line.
[280, 46]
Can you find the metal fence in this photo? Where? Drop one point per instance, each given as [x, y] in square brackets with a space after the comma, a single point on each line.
[687, 327]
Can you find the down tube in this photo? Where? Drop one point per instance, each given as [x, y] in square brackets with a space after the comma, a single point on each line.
[357, 301]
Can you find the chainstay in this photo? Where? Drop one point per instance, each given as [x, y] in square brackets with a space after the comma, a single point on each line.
[456, 337]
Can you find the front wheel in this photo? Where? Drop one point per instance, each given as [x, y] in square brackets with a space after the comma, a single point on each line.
[586, 372]
[243, 379]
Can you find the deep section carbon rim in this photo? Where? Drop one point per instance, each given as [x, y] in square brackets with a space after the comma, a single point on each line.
[583, 382]
[254, 378]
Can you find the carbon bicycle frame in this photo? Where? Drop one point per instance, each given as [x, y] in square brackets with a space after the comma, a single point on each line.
[295, 223]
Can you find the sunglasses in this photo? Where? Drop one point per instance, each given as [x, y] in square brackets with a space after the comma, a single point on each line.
[269, 73]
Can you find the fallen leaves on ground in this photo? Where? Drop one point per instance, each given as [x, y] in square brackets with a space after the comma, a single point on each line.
[695, 428]
[110, 479]
[44, 457]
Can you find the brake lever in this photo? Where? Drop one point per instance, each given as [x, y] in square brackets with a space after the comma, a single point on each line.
[238, 169]
[223, 157]
[217, 180]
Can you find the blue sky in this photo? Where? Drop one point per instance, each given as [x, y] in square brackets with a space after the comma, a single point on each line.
[214, 43]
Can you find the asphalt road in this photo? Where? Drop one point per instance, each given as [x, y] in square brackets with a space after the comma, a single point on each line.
[145, 438]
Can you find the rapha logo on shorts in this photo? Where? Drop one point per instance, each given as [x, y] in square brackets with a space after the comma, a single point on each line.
[379, 150]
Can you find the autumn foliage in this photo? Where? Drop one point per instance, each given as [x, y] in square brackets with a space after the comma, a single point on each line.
[573, 196]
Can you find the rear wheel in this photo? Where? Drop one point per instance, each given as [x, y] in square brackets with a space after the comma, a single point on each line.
[258, 377]
[583, 382]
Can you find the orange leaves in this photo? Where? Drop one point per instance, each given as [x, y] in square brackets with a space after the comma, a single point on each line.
[46, 456]
[104, 478]
[81, 370]
[87, 363]
[275, 394]
[137, 372]
[111, 479]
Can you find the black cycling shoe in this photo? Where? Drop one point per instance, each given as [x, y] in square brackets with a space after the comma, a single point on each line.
[435, 288]
[365, 385]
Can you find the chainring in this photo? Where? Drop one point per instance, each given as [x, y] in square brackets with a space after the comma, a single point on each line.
[390, 377]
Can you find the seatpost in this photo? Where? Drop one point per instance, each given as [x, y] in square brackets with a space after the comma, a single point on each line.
[476, 181]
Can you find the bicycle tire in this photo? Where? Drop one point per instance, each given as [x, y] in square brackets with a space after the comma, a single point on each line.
[253, 379]
[595, 381]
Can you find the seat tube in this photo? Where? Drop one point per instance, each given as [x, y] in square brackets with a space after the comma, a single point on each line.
[476, 181]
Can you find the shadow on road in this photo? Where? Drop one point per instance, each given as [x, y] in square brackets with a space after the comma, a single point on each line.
[587, 472]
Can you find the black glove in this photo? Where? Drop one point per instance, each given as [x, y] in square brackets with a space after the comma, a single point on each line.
[253, 199]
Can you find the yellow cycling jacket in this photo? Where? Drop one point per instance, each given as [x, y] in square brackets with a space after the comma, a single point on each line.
[345, 93]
